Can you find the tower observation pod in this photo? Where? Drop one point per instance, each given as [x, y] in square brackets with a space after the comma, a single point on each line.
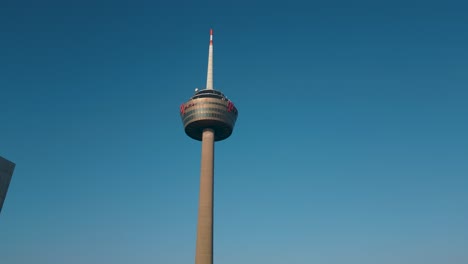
[208, 109]
[208, 116]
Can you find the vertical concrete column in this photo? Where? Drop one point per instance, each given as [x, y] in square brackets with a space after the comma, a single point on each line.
[204, 248]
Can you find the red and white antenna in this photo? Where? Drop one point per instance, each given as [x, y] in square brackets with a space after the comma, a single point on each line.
[209, 77]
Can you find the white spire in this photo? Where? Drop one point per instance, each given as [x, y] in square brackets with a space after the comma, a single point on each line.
[209, 77]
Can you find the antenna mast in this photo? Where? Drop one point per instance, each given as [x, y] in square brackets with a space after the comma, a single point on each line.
[209, 77]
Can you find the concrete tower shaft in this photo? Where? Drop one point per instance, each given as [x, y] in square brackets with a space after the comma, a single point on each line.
[204, 246]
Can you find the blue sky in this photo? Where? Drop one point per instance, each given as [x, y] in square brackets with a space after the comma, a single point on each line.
[350, 147]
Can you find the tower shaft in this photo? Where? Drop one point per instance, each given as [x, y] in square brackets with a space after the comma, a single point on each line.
[204, 247]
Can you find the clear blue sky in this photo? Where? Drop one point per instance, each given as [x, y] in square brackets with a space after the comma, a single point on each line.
[351, 144]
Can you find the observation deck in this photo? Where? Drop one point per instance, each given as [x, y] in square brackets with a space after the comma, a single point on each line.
[208, 108]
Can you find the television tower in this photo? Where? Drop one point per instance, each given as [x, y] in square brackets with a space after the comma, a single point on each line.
[208, 117]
